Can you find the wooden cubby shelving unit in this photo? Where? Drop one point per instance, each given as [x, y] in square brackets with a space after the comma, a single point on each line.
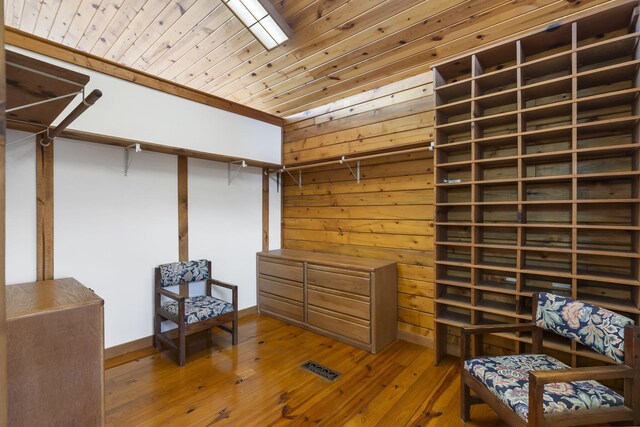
[537, 167]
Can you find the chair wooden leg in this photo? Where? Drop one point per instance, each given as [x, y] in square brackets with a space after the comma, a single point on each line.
[182, 347]
[465, 404]
[234, 333]
[156, 331]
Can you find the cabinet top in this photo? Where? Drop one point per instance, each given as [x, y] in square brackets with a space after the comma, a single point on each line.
[27, 299]
[329, 259]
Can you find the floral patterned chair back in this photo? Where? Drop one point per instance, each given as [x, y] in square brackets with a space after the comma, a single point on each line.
[184, 272]
[599, 329]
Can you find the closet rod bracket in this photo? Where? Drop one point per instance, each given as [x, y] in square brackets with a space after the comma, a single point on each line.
[241, 164]
[127, 157]
[297, 181]
[355, 174]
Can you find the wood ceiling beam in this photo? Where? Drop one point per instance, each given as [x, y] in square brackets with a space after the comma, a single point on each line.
[73, 56]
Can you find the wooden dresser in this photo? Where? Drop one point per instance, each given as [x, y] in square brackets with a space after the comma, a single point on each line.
[347, 298]
[55, 354]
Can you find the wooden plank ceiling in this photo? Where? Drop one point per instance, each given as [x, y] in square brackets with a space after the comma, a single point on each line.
[340, 47]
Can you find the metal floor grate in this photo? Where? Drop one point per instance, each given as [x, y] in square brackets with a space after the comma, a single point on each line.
[322, 371]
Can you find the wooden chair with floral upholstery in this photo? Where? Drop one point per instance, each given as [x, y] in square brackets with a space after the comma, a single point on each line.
[191, 313]
[539, 390]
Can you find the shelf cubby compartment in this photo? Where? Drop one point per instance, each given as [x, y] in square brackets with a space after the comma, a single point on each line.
[454, 154]
[458, 112]
[559, 165]
[453, 214]
[547, 214]
[498, 303]
[620, 298]
[590, 164]
[496, 59]
[497, 192]
[452, 315]
[452, 72]
[498, 81]
[505, 169]
[547, 261]
[617, 214]
[500, 236]
[501, 214]
[454, 275]
[547, 117]
[547, 237]
[607, 240]
[607, 79]
[616, 51]
[496, 103]
[547, 143]
[454, 174]
[454, 195]
[538, 191]
[454, 233]
[498, 281]
[454, 294]
[499, 125]
[606, 189]
[454, 92]
[606, 266]
[547, 92]
[532, 283]
[592, 137]
[494, 150]
[493, 257]
[547, 68]
[453, 133]
[485, 318]
[455, 254]
[555, 40]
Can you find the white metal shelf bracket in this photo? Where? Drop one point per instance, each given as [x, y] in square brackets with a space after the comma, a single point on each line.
[30, 135]
[127, 157]
[355, 174]
[33, 104]
[297, 181]
[241, 164]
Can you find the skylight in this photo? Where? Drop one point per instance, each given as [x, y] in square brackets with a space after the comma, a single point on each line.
[262, 19]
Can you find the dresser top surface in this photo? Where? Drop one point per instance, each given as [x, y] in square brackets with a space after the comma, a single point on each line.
[330, 259]
[27, 299]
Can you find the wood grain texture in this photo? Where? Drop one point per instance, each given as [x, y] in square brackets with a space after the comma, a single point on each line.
[183, 208]
[44, 217]
[339, 47]
[260, 382]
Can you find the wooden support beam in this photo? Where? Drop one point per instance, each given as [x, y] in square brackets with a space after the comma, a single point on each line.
[183, 208]
[3, 325]
[265, 209]
[44, 199]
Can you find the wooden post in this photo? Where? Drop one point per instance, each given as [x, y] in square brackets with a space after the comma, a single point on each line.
[44, 200]
[183, 208]
[265, 209]
[3, 324]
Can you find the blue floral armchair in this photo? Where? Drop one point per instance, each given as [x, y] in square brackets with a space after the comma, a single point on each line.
[191, 313]
[537, 389]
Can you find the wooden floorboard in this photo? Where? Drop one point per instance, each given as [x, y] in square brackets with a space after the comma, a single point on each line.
[259, 382]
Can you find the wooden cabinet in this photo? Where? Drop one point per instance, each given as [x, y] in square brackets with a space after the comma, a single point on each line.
[351, 299]
[55, 356]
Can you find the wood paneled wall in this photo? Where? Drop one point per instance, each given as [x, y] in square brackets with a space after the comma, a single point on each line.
[389, 214]
[3, 330]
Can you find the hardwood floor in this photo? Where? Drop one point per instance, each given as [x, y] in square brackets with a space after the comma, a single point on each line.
[260, 383]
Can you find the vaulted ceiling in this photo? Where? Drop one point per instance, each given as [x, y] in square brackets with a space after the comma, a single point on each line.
[340, 47]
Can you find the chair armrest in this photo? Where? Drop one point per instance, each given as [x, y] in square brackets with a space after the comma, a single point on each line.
[222, 284]
[467, 331]
[596, 373]
[171, 295]
[537, 380]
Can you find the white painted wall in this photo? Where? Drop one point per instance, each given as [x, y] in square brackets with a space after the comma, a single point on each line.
[128, 110]
[20, 251]
[111, 230]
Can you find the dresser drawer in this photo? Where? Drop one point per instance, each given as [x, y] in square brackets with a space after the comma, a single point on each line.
[289, 270]
[352, 281]
[280, 306]
[346, 326]
[340, 302]
[281, 287]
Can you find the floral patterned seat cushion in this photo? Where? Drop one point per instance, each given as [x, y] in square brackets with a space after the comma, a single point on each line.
[600, 329]
[508, 378]
[184, 272]
[199, 308]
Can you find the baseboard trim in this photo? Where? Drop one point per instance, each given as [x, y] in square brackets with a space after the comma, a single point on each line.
[146, 342]
[415, 338]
